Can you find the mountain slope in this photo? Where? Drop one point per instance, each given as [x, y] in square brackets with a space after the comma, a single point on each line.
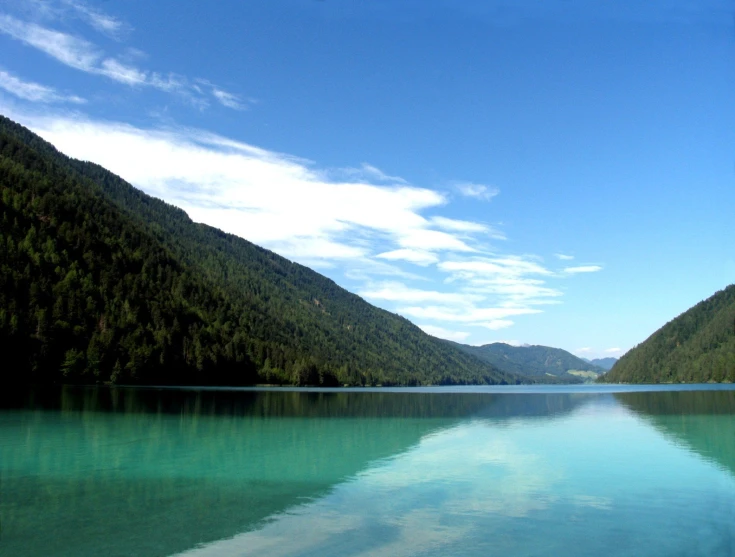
[604, 363]
[532, 361]
[103, 282]
[698, 346]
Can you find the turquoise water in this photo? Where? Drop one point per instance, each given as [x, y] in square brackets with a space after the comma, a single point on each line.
[528, 471]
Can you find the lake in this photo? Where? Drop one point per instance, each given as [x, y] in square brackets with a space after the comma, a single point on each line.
[521, 471]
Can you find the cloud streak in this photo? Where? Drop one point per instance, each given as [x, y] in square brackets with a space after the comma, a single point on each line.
[440, 332]
[102, 22]
[81, 54]
[478, 191]
[34, 92]
[583, 269]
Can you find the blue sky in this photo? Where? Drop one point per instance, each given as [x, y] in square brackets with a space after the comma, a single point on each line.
[560, 173]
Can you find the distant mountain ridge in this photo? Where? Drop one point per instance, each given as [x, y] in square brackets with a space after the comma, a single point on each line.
[100, 282]
[535, 361]
[696, 347]
[604, 363]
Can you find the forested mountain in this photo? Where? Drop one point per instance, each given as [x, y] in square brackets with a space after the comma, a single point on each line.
[698, 346]
[101, 282]
[533, 361]
[604, 363]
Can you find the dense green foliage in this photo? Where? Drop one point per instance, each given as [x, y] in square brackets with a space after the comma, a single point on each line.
[101, 282]
[696, 347]
[532, 361]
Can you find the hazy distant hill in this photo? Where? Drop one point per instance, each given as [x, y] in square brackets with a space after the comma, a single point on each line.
[604, 363]
[101, 282]
[698, 346]
[535, 361]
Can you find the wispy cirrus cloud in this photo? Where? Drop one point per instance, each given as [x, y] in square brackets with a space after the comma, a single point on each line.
[418, 257]
[229, 100]
[563, 256]
[102, 22]
[478, 191]
[488, 317]
[364, 172]
[34, 92]
[481, 292]
[583, 269]
[398, 292]
[81, 54]
[457, 225]
[67, 49]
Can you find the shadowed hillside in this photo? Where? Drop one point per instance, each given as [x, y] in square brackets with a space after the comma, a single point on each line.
[696, 347]
[101, 282]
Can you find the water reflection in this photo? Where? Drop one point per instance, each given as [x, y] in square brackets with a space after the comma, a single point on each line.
[90, 471]
[703, 422]
[593, 481]
[155, 472]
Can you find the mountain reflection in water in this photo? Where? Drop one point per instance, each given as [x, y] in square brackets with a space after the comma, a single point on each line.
[117, 471]
[153, 471]
[701, 421]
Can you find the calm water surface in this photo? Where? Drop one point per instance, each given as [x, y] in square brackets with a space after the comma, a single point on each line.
[572, 471]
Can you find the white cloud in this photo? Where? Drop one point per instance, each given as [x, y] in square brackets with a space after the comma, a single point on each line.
[512, 281]
[271, 199]
[102, 22]
[479, 316]
[126, 74]
[478, 191]
[583, 350]
[432, 240]
[563, 257]
[439, 332]
[613, 350]
[72, 51]
[75, 52]
[459, 225]
[513, 289]
[398, 292]
[34, 92]
[82, 55]
[415, 256]
[228, 99]
[583, 269]
[469, 307]
[456, 225]
[508, 266]
[374, 173]
[365, 172]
